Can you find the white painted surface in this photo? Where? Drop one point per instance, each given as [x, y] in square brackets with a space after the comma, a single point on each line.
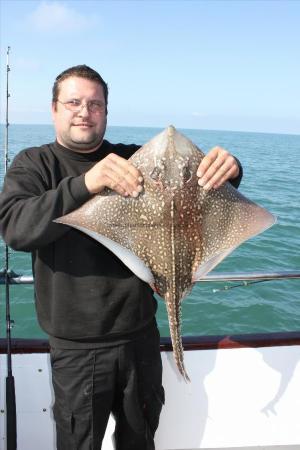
[238, 398]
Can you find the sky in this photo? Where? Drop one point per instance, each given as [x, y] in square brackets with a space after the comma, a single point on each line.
[222, 65]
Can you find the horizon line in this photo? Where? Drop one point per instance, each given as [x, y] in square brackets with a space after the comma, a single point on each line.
[163, 127]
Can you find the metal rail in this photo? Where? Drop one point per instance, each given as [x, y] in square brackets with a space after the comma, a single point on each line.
[15, 278]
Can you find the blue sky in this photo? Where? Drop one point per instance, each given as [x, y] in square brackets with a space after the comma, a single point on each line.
[227, 65]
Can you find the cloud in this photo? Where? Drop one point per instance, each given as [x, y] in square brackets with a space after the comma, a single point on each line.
[58, 17]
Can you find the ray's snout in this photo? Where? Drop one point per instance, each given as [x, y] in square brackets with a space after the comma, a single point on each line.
[176, 160]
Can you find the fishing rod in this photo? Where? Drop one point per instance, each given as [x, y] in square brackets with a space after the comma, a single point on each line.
[245, 278]
[11, 416]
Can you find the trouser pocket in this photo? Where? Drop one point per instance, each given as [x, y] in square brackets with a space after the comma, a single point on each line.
[73, 432]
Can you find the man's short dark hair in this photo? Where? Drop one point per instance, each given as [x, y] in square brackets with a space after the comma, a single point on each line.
[81, 71]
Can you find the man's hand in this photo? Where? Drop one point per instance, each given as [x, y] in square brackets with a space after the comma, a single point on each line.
[115, 173]
[217, 167]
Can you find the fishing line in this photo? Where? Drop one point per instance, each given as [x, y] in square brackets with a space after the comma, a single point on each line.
[244, 284]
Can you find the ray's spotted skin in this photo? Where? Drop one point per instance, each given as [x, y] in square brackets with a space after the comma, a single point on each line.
[175, 231]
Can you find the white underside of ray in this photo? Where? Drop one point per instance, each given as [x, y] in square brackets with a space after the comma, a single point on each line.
[133, 262]
[203, 269]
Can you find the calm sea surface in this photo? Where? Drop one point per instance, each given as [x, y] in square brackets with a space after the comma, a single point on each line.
[271, 165]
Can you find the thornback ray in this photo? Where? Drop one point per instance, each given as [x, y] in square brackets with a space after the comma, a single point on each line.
[174, 232]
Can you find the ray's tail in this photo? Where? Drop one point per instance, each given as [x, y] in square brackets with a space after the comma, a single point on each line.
[174, 315]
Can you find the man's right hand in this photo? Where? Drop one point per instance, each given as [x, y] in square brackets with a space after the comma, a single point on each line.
[115, 173]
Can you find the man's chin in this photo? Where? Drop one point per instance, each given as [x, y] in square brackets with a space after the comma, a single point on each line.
[85, 147]
[86, 143]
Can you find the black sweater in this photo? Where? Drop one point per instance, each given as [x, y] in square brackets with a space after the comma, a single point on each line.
[85, 296]
[84, 293]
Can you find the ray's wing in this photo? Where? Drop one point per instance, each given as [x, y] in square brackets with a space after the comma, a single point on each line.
[228, 219]
[132, 228]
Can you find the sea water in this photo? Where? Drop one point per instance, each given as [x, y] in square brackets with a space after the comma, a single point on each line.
[271, 164]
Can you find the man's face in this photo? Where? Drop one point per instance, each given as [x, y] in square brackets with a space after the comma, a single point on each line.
[80, 131]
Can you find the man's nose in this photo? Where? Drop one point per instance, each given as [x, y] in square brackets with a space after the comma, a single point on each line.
[84, 110]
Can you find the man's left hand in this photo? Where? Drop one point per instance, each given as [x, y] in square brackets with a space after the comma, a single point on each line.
[217, 167]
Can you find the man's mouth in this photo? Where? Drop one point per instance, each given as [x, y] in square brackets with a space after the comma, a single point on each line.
[83, 125]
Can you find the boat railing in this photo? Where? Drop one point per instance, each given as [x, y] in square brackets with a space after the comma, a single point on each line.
[286, 338]
[15, 278]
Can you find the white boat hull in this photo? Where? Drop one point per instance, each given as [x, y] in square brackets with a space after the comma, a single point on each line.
[245, 398]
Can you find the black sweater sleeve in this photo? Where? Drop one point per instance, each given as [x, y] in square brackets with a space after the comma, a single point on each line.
[28, 207]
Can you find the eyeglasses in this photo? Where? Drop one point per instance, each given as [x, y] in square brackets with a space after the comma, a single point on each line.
[76, 105]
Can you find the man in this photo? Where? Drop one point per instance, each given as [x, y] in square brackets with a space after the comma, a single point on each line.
[99, 316]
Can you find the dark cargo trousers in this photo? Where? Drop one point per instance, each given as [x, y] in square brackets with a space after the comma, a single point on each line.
[89, 384]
